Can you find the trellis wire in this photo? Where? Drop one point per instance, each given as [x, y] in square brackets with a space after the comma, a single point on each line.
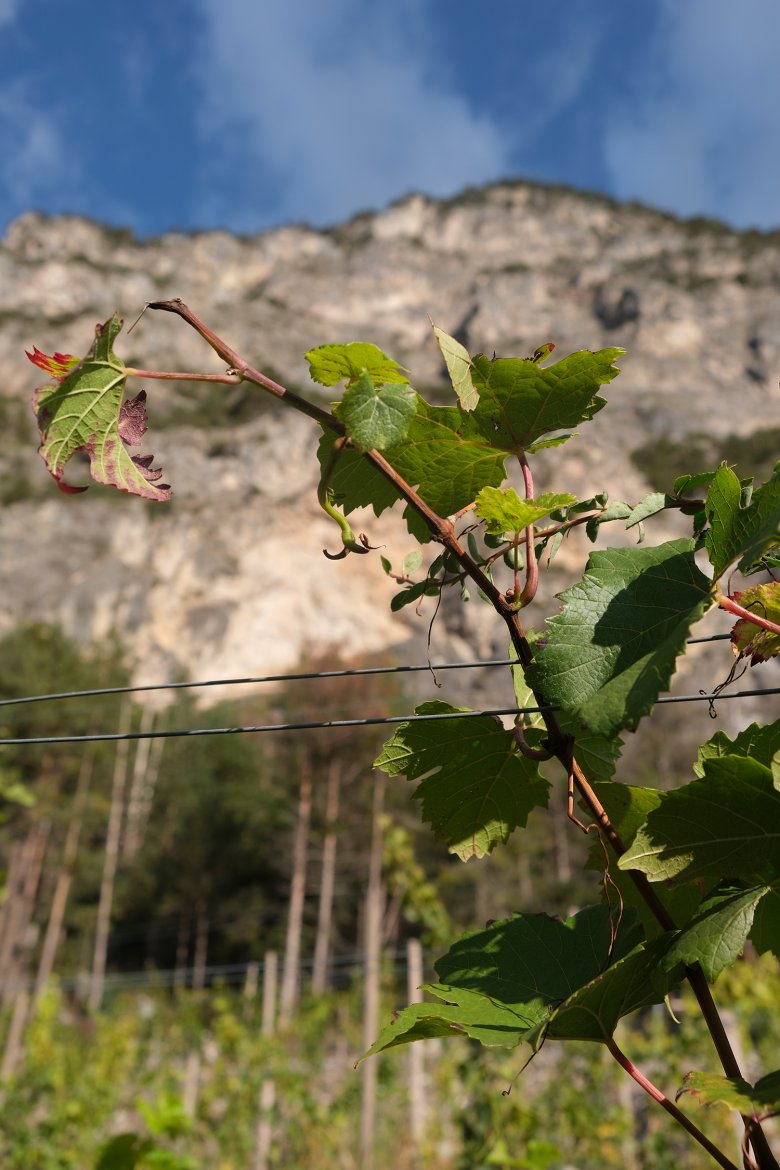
[348, 672]
[372, 721]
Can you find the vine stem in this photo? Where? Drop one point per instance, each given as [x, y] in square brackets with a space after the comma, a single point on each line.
[443, 531]
[227, 379]
[531, 564]
[648, 1087]
[738, 610]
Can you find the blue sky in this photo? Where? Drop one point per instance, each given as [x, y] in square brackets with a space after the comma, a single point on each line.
[244, 114]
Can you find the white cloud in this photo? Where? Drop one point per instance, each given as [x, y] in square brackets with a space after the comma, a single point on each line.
[335, 107]
[34, 153]
[703, 136]
[8, 10]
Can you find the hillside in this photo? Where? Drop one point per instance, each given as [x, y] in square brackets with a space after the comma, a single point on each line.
[229, 578]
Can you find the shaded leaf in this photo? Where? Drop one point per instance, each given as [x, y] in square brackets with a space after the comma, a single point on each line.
[475, 787]
[761, 742]
[738, 531]
[376, 416]
[85, 412]
[726, 825]
[614, 647]
[650, 506]
[716, 937]
[532, 976]
[354, 481]
[628, 808]
[765, 934]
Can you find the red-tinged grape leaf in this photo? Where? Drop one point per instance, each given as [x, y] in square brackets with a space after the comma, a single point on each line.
[716, 936]
[475, 786]
[723, 826]
[57, 365]
[761, 742]
[504, 511]
[614, 647]
[458, 363]
[446, 458]
[331, 364]
[748, 639]
[521, 401]
[376, 416]
[628, 808]
[756, 1101]
[85, 412]
[533, 976]
[738, 533]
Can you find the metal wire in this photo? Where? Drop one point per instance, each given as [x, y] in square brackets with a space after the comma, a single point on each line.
[178, 733]
[275, 678]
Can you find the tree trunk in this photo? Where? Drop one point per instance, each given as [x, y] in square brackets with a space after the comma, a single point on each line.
[416, 1056]
[292, 948]
[111, 860]
[21, 907]
[64, 877]
[372, 947]
[319, 978]
[267, 1097]
[201, 948]
[139, 782]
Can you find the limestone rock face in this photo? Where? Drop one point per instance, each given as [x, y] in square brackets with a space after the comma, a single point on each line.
[229, 578]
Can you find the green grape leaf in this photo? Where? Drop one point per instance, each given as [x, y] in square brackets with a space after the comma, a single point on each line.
[738, 532]
[547, 444]
[640, 979]
[458, 363]
[650, 506]
[735, 1093]
[331, 364]
[355, 482]
[125, 1151]
[765, 934]
[628, 808]
[475, 786]
[597, 755]
[520, 401]
[446, 458]
[725, 825]
[614, 647]
[716, 937]
[759, 741]
[691, 483]
[376, 416]
[532, 976]
[504, 511]
[747, 638]
[85, 411]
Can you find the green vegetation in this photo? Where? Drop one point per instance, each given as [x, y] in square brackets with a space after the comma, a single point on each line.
[690, 880]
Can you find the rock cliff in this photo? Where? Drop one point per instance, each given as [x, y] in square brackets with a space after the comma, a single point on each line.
[229, 579]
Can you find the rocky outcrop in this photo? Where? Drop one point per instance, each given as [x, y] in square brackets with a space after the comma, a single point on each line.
[228, 579]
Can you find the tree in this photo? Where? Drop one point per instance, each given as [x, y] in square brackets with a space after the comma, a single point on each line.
[690, 874]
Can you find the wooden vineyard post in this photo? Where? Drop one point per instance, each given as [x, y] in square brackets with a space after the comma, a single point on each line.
[267, 1096]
